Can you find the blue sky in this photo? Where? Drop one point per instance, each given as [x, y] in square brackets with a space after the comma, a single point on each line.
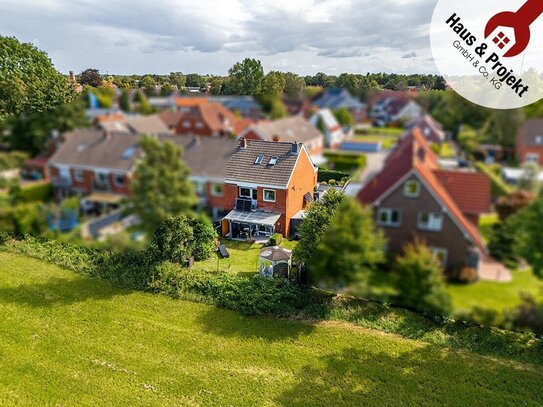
[160, 36]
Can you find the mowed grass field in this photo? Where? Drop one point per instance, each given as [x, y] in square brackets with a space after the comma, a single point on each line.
[68, 340]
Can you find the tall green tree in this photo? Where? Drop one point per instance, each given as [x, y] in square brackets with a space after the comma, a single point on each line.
[246, 76]
[344, 117]
[419, 280]
[314, 225]
[161, 187]
[30, 132]
[195, 80]
[124, 102]
[529, 235]
[294, 86]
[350, 249]
[272, 84]
[178, 79]
[90, 77]
[29, 82]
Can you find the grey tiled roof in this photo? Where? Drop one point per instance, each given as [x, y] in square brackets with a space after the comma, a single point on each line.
[531, 133]
[292, 129]
[242, 168]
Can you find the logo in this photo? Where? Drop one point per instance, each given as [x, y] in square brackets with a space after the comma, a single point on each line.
[490, 56]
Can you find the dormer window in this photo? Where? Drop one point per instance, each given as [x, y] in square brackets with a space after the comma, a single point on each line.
[539, 139]
[273, 161]
[259, 159]
[411, 189]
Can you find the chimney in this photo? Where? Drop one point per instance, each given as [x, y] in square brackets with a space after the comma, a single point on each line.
[72, 76]
[243, 143]
[195, 141]
[275, 137]
[295, 148]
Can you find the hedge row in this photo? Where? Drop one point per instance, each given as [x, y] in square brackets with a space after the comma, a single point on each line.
[346, 162]
[12, 160]
[38, 192]
[326, 175]
[499, 186]
[260, 296]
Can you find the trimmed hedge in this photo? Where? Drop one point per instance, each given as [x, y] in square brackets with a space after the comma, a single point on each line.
[499, 186]
[345, 162]
[277, 297]
[39, 192]
[326, 175]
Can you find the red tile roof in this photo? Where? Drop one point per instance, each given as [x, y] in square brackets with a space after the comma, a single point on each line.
[470, 190]
[414, 153]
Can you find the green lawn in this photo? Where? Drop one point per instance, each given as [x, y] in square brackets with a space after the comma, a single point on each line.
[486, 222]
[70, 340]
[386, 141]
[493, 295]
[446, 150]
[243, 258]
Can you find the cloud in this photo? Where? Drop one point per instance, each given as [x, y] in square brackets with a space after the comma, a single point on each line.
[140, 36]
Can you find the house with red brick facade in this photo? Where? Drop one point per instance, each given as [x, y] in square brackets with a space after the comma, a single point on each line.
[529, 146]
[266, 184]
[98, 166]
[293, 129]
[413, 198]
[206, 119]
[431, 129]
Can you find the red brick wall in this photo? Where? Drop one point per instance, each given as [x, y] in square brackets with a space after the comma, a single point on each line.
[228, 199]
[124, 190]
[203, 131]
[86, 184]
[215, 201]
[279, 206]
[251, 135]
[523, 151]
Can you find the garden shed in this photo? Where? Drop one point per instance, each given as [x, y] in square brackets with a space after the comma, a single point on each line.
[275, 261]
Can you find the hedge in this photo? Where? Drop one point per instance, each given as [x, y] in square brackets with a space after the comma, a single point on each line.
[327, 175]
[499, 186]
[39, 192]
[345, 162]
[276, 297]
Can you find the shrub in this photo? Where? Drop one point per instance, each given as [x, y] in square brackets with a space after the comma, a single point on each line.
[4, 237]
[11, 160]
[466, 275]
[501, 243]
[173, 240]
[39, 192]
[204, 238]
[326, 175]
[276, 239]
[513, 202]
[346, 162]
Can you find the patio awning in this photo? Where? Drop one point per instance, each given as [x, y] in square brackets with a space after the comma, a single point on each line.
[254, 218]
[104, 197]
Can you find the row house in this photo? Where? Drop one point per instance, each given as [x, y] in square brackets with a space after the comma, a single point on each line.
[98, 166]
[293, 129]
[529, 144]
[267, 184]
[413, 198]
[340, 98]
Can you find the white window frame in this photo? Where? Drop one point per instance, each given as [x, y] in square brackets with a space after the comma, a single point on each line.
[199, 125]
[435, 223]
[199, 187]
[437, 251]
[389, 212]
[187, 124]
[79, 175]
[274, 195]
[215, 193]
[406, 192]
[532, 158]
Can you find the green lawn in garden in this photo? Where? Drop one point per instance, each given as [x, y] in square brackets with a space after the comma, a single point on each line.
[69, 340]
[243, 258]
[387, 142]
[446, 150]
[486, 222]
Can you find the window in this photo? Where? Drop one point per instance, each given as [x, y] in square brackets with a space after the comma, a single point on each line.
[269, 195]
[118, 180]
[273, 161]
[440, 254]
[388, 217]
[532, 158]
[259, 159]
[411, 189]
[199, 125]
[198, 187]
[78, 175]
[247, 193]
[217, 190]
[186, 124]
[430, 221]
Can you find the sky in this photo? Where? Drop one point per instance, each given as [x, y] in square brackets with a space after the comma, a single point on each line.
[209, 36]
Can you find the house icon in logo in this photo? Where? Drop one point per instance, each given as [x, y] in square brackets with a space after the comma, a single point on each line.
[519, 21]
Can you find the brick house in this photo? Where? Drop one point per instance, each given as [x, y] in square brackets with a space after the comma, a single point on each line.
[291, 129]
[206, 119]
[430, 128]
[266, 185]
[529, 146]
[391, 107]
[99, 166]
[412, 197]
[338, 98]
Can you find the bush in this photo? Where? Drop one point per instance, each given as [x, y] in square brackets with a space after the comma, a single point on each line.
[276, 239]
[39, 192]
[12, 160]
[326, 175]
[173, 240]
[4, 237]
[513, 202]
[466, 275]
[346, 162]
[204, 238]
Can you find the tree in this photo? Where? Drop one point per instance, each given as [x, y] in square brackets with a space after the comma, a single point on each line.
[178, 79]
[90, 77]
[294, 86]
[204, 238]
[278, 109]
[166, 89]
[314, 225]
[173, 240]
[195, 80]
[31, 132]
[507, 206]
[148, 83]
[350, 249]
[419, 280]
[161, 187]
[529, 235]
[348, 81]
[246, 76]
[344, 117]
[28, 81]
[272, 84]
[502, 125]
[124, 101]
[145, 107]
